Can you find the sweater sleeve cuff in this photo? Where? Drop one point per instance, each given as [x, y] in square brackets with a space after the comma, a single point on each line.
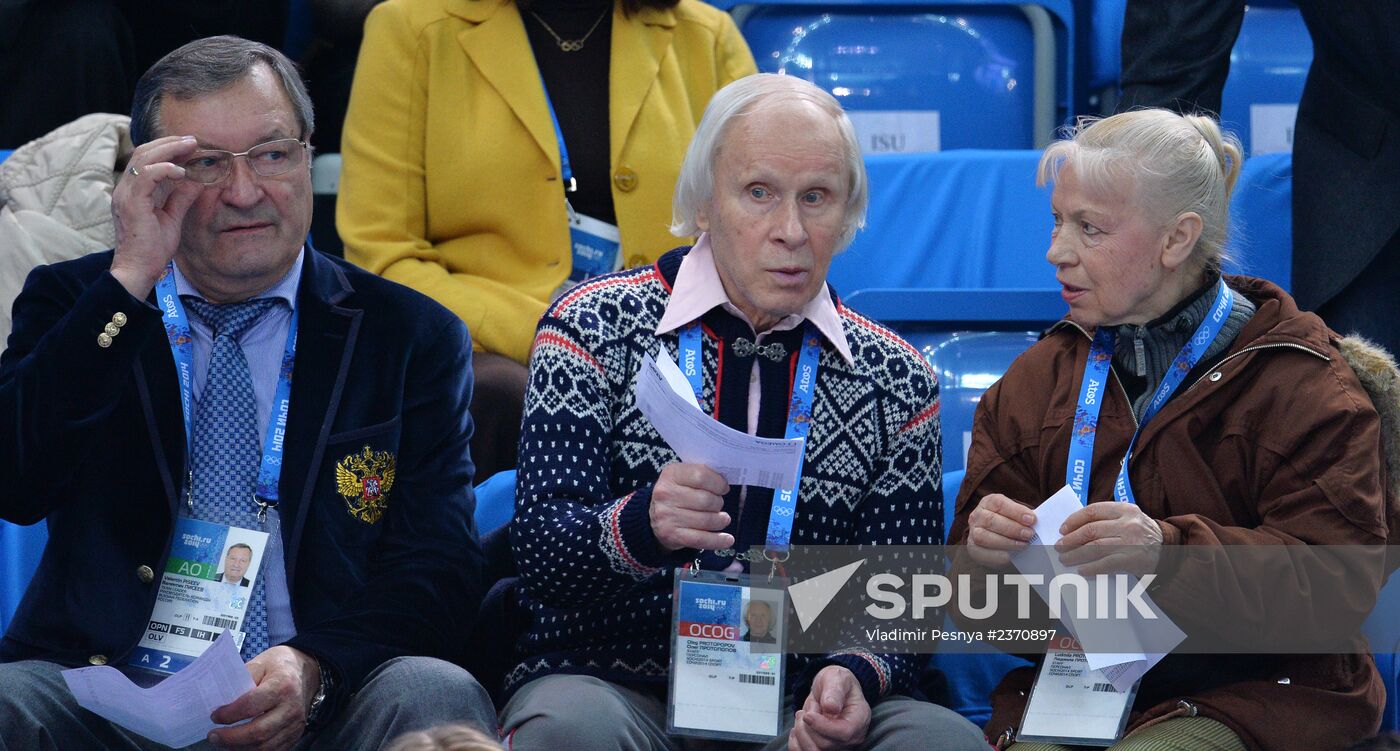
[870, 669]
[628, 538]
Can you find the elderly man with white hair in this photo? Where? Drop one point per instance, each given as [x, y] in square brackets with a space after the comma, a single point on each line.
[774, 185]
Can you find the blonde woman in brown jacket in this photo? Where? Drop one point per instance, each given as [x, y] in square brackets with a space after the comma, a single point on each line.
[1270, 439]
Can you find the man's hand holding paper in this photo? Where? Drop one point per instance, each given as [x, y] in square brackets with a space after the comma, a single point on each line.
[687, 508]
[275, 710]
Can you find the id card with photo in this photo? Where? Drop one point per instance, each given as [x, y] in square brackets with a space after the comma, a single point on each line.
[1071, 704]
[205, 588]
[727, 678]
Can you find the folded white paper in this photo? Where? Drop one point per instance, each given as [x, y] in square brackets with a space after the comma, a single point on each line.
[1121, 668]
[175, 711]
[742, 459]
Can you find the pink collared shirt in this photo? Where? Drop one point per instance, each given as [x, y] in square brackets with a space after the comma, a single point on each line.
[699, 287]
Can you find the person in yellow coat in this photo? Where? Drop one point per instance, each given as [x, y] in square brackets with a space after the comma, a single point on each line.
[453, 181]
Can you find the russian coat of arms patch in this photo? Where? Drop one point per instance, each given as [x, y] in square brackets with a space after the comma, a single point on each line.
[364, 479]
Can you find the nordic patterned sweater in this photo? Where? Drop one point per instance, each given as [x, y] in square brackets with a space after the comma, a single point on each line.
[595, 580]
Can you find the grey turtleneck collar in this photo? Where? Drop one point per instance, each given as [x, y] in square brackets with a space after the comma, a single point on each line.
[1144, 352]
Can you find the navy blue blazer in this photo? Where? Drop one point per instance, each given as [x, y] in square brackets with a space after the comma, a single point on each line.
[92, 439]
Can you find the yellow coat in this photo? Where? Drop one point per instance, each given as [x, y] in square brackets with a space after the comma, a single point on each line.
[450, 182]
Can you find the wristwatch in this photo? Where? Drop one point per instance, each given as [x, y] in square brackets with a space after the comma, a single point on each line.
[313, 710]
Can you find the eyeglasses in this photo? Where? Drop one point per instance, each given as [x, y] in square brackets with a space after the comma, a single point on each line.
[269, 159]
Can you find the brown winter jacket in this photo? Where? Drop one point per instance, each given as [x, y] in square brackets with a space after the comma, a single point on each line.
[1279, 443]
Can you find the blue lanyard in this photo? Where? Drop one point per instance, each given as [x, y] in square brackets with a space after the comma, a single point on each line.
[177, 331]
[1094, 389]
[799, 420]
[568, 172]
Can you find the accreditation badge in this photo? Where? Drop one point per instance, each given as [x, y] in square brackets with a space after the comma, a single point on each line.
[597, 247]
[205, 588]
[727, 677]
[1071, 704]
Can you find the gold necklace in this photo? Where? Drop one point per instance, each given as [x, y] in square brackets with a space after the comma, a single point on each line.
[572, 45]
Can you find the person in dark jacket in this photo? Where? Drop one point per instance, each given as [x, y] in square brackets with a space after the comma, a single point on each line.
[211, 373]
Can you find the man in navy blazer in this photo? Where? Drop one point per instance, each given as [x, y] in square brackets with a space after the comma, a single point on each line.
[371, 557]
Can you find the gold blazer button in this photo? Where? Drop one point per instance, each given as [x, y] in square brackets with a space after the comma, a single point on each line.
[625, 180]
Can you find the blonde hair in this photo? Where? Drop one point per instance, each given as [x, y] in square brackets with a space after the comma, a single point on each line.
[445, 738]
[1176, 163]
[696, 182]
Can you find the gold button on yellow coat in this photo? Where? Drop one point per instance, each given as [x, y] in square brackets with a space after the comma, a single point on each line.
[625, 180]
[451, 178]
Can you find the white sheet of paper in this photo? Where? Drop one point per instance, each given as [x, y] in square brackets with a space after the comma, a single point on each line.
[175, 711]
[676, 379]
[1124, 674]
[697, 438]
[1051, 515]
[1122, 669]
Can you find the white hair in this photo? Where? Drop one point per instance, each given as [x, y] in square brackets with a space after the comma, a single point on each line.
[696, 184]
[1177, 163]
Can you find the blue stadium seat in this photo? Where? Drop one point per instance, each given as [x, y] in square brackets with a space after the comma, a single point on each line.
[1105, 41]
[968, 336]
[967, 362]
[925, 76]
[962, 219]
[1383, 630]
[1268, 67]
[20, 549]
[495, 502]
[1261, 216]
[1268, 63]
[952, 482]
[975, 219]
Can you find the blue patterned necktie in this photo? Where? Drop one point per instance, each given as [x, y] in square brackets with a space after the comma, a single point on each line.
[225, 451]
